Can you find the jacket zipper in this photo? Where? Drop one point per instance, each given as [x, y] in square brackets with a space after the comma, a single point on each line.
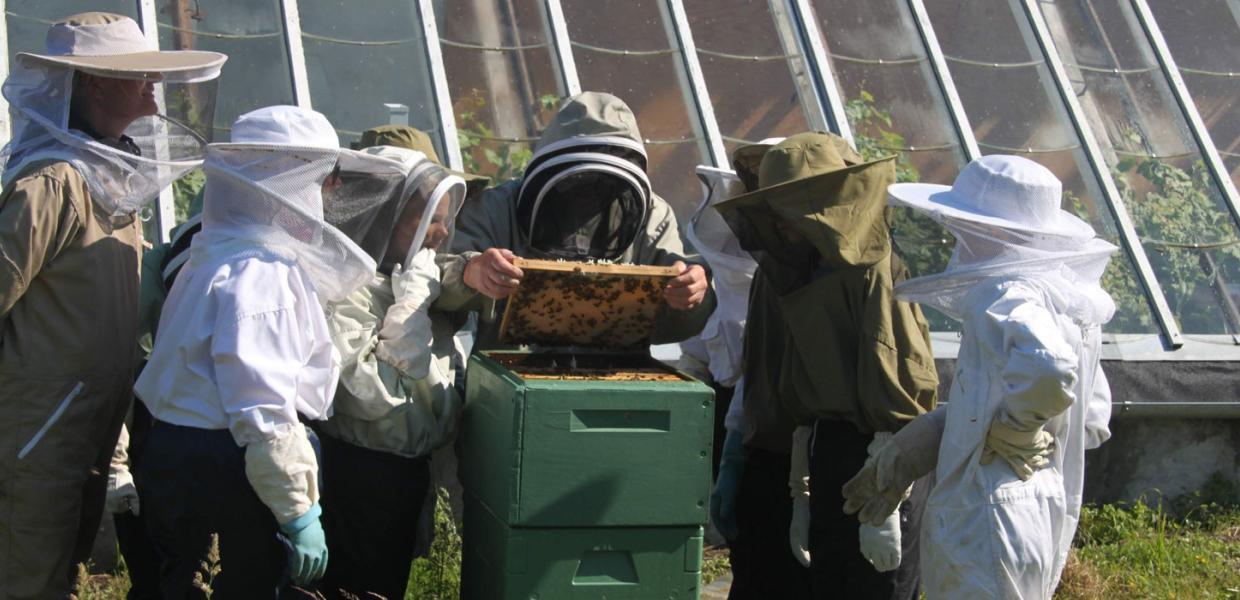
[60, 410]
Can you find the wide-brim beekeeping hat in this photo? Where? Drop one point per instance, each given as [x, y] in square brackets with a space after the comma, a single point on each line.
[112, 45]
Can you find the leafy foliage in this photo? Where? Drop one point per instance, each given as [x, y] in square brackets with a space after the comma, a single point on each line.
[477, 140]
[1189, 237]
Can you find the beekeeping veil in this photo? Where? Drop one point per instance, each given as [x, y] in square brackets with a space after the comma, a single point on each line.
[585, 193]
[390, 194]
[124, 178]
[264, 190]
[732, 270]
[1004, 213]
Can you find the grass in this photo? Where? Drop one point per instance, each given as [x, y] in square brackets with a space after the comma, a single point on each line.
[1185, 548]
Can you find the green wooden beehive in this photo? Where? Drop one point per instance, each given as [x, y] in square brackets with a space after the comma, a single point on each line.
[587, 452]
[586, 463]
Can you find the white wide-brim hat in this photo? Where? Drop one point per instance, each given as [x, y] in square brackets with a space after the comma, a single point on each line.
[112, 45]
[1009, 192]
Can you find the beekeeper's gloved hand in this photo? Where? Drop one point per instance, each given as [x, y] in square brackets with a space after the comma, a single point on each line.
[798, 487]
[880, 544]
[283, 471]
[723, 497]
[309, 559]
[122, 495]
[1024, 451]
[405, 337]
[883, 483]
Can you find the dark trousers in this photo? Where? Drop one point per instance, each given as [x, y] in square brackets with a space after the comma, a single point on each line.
[136, 547]
[193, 485]
[763, 567]
[837, 452]
[371, 504]
[723, 399]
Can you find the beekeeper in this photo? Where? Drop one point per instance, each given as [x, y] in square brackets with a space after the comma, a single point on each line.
[243, 353]
[82, 162]
[585, 195]
[395, 403]
[856, 364]
[714, 355]
[1029, 396]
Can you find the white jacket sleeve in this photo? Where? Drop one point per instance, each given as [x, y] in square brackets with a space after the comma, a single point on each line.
[1040, 368]
[264, 350]
[1098, 413]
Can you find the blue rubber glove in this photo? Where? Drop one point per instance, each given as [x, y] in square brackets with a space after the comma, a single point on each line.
[723, 498]
[309, 559]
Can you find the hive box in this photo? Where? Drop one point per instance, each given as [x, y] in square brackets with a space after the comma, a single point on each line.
[616, 563]
[628, 448]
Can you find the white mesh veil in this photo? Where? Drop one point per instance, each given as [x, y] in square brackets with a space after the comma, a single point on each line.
[271, 196]
[394, 195]
[984, 251]
[120, 182]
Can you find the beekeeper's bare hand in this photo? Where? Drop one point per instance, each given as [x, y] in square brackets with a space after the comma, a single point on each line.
[687, 290]
[493, 274]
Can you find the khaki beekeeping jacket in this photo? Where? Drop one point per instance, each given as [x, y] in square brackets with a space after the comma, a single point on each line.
[491, 221]
[850, 351]
[68, 342]
[376, 405]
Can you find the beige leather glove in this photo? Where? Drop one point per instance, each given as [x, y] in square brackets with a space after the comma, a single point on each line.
[284, 473]
[405, 337]
[1024, 451]
[883, 483]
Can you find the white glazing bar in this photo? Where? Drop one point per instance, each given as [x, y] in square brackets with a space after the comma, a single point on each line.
[792, 42]
[701, 95]
[931, 42]
[296, 53]
[1200, 132]
[820, 64]
[1127, 232]
[165, 206]
[563, 48]
[4, 72]
[439, 79]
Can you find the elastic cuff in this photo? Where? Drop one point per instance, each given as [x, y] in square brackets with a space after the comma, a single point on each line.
[296, 525]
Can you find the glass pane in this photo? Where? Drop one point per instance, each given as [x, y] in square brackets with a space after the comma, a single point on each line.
[363, 55]
[28, 19]
[758, 78]
[1013, 106]
[251, 33]
[629, 49]
[1189, 233]
[895, 106]
[502, 76]
[1204, 37]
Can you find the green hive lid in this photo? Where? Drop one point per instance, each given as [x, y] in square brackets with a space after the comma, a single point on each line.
[593, 305]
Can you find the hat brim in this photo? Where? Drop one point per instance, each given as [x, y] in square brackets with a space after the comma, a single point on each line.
[474, 184]
[941, 203]
[185, 65]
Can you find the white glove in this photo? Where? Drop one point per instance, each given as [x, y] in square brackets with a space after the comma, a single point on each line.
[405, 337]
[798, 487]
[122, 495]
[284, 473]
[881, 545]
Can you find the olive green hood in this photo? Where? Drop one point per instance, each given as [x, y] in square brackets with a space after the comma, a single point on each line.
[813, 192]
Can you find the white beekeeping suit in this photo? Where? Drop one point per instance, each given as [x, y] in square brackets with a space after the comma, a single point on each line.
[1024, 283]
